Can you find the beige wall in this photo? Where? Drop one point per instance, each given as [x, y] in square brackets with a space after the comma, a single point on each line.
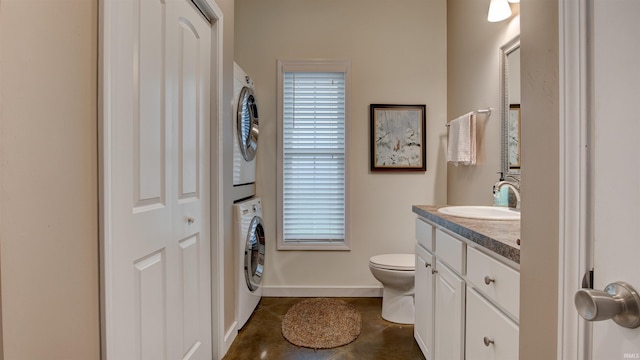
[48, 160]
[398, 56]
[473, 81]
[473, 60]
[48, 192]
[48, 179]
[540, 184]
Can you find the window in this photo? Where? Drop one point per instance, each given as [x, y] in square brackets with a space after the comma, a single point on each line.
[312, 118]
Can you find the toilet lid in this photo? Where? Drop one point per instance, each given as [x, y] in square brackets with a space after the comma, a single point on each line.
[394, 261]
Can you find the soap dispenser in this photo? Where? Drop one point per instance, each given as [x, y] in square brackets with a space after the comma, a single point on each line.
[501, 196]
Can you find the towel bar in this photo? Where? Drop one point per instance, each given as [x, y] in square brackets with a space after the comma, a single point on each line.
[480, 111]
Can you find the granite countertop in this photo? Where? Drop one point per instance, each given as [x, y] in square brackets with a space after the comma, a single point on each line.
[499, 236]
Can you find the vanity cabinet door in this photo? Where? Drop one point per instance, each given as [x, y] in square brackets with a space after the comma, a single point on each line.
[424, 299]
[491, 335]
[449, 314]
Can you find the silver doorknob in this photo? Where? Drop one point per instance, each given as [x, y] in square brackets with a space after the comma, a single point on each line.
[619, 302]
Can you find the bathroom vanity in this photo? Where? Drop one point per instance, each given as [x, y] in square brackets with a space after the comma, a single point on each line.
[467, 286]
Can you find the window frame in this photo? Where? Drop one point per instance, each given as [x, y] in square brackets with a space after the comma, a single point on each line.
[284, 65]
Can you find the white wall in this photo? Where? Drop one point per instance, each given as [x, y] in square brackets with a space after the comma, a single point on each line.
[48, 179]
[398, 55]
[473, 83]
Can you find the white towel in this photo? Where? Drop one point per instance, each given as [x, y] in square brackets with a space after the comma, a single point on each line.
[461, 145]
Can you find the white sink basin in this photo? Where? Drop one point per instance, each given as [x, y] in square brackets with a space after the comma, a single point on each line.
[481, 212]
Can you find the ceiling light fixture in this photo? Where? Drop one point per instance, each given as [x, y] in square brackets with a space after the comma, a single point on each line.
[498, 10]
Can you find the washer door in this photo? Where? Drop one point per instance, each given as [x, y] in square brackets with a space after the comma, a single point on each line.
[247, 123]
[254, 254]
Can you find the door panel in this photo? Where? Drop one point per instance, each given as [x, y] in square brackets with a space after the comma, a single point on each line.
[449, 314]
[424, 294]
[189, 74]
[190, 258]
[151, 322]
[138, 177]
[149, 114]
[615, 76]
[188, 53]
[156, 181]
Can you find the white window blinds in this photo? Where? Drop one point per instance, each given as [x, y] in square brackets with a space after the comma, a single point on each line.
[313, 157]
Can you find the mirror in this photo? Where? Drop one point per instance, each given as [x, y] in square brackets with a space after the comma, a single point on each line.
[510, 93]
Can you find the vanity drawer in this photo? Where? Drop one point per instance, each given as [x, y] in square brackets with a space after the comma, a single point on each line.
[503, 282]
[450, 250]
[424, 234]
[489, 333]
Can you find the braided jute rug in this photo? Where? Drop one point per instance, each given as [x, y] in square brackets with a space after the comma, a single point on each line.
[321, 323]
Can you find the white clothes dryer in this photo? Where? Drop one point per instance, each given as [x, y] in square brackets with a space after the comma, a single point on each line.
[245, 134]
[250, 240]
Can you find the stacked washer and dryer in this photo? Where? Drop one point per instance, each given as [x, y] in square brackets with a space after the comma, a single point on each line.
[248, 230]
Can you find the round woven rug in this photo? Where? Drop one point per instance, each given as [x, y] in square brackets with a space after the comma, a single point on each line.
[321, 323]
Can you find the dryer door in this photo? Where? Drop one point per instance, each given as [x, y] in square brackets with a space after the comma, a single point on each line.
[254, 254]
[247, 123]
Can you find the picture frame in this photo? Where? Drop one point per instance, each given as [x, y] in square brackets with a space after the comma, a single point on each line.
[513, 141]
[398, 137]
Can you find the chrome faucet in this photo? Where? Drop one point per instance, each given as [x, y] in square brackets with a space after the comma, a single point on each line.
[515, 186]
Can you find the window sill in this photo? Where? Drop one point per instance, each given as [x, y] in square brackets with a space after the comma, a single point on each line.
[314, 246]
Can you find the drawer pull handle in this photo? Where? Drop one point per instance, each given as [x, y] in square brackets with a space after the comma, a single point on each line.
[488, 280]
[427, 264]
[434, 271]
[487, 341]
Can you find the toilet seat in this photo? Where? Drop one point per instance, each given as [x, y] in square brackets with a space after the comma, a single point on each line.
[397, 262]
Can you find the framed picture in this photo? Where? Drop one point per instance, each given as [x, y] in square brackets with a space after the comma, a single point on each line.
[514, 136]
[398, 138]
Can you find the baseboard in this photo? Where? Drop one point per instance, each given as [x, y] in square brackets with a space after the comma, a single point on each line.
[229, 336]
[322, 291]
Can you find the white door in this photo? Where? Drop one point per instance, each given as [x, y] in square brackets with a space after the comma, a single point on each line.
[189, 62]
[615, 164]
[424, 298]
[155, 181]
[449, 314]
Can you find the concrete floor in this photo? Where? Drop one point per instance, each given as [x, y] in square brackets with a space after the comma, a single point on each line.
[261, 337]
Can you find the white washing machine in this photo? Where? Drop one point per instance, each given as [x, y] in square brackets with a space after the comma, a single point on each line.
[245, 134]
[250, 240]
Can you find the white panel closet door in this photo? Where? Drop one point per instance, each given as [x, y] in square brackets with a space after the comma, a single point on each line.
[189, 52]
[155, 154]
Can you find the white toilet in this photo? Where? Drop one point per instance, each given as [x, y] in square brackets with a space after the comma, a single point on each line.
[396, 272]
